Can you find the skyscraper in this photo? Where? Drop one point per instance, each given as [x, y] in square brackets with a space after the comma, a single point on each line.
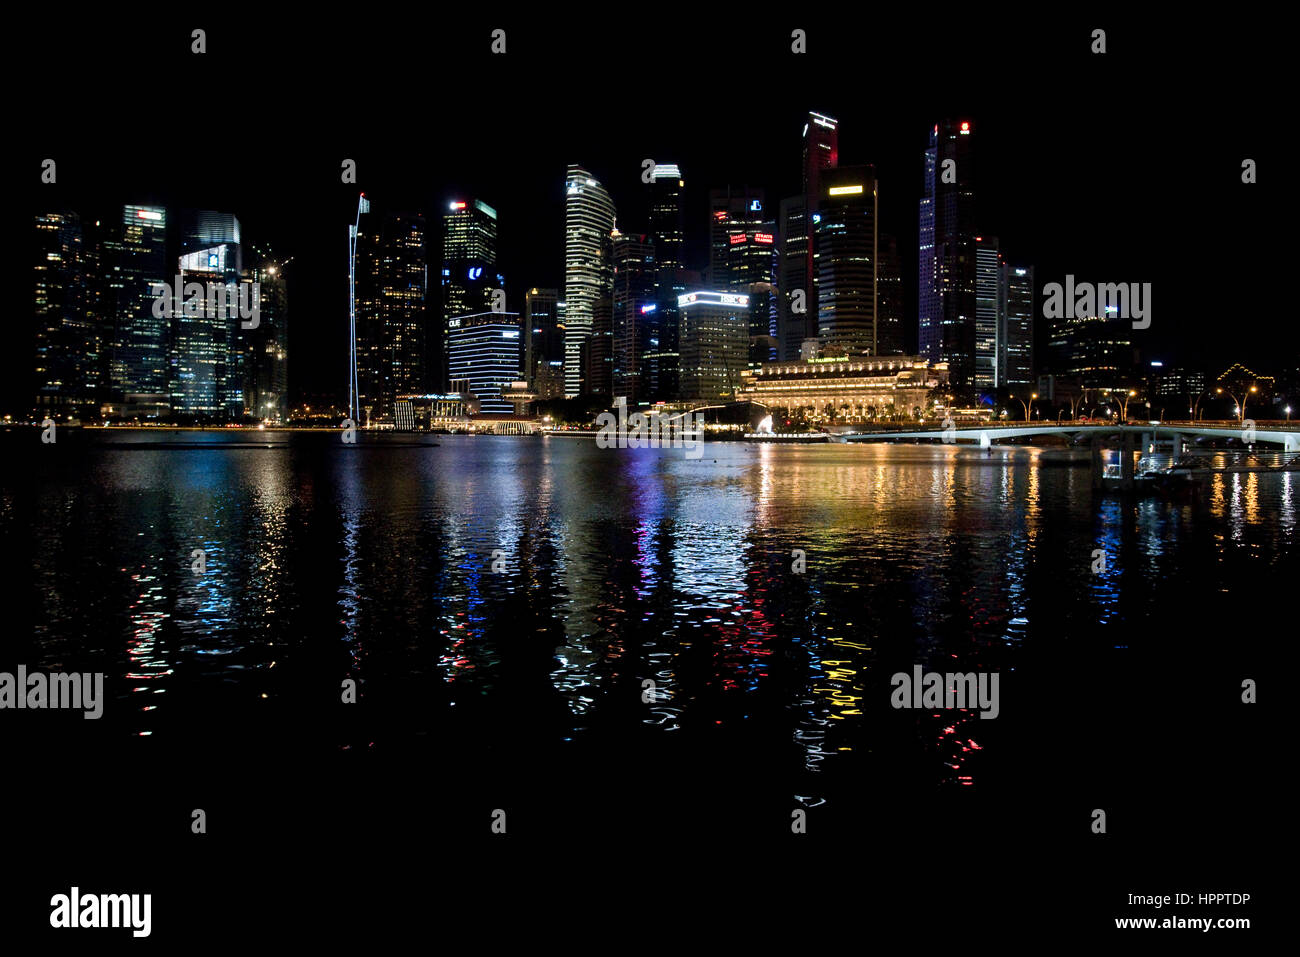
[139, 363]
[392, 279]
[667, 233]
[1096, 351]
[821, 151]
[66, 339]
[588, 275]
[797, 316]
[1016, 335]
[732, 209]
[988, 303]
[889, 298]
[266, 348]
[946, 306]
[485, 353]
[714, 344]
[544, 346]
[205, 367]
[469, 270]
[750, 267]
[205, 372]
[636, 327]
[666, 219]
[845, 240]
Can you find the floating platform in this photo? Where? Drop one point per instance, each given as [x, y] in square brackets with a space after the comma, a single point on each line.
[787, 438]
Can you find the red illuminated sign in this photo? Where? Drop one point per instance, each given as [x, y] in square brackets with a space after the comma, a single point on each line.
[737, 238]
[762, 237]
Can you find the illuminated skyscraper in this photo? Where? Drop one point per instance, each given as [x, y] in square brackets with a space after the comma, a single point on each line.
[988, 302]
[588, 276]
[732, 209]
[666, 217]
[205, 362]
[391, 314]
[946, 305]
[750, 266]
[667, 233]
[266, 348]
[889, 298]
[544, 346]
[845, 240]
[635, 311]
[1016, 335]
[797, 317]
[66, 335]
[714, 344]
[205, 371]
[469, 270]
[139, 362]
[484, 351]
[821, 151]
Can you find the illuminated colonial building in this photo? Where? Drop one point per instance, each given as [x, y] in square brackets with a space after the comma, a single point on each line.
[845, 389]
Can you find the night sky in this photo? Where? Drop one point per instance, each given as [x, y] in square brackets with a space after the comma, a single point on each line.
[1124, 167]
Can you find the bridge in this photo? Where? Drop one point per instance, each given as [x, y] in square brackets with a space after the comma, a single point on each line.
[985, 435]
[1131, 438]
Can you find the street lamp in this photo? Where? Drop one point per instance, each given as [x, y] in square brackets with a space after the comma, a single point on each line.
[1196, 408]
[1241, 403]
[354, 392]
[1123, 403]
[1077, 401]
[1025, 404]
[1287, 410]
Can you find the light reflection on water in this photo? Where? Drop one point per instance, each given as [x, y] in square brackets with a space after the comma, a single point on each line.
[621, 566]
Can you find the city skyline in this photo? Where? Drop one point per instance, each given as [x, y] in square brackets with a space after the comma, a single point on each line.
[708, 465]
[695, 244]
[1041, 190]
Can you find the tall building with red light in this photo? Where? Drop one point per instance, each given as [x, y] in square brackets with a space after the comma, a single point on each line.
[821, 150]
[797, 314]
[732, 209]
[751, 267]
[469, 271]
[946, 299]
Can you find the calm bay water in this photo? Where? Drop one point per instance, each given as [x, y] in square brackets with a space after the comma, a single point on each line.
[621, 567]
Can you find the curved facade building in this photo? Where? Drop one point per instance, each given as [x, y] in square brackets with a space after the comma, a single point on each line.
[588, 271]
